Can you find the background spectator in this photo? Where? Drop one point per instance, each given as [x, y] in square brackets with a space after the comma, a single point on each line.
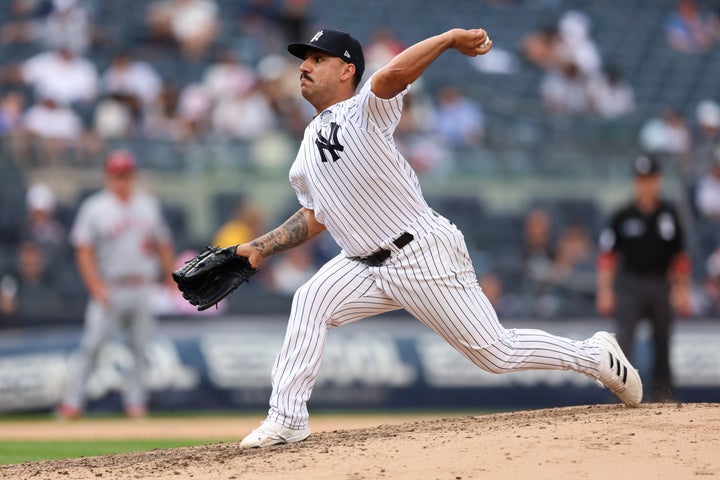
[247, 115]
[382, 46]
[289, 272]
[538, 251]
[687, 29]
[57, 128]
[582, 51]
[573, 269]
[29, 292]
[708, 193]
[564, 92]
[12, 105]
[709, 301]
[458, 121]
[668, 133]
[192, 24]
[42, 227]
[276, 76]
[492, 287]
[610, 95]
[134, 81]
[247, 222]
[706, 137]
[66, 25]
[162, 121]
[227, 77]
[60, 75]
[545, 48]
[294, 19]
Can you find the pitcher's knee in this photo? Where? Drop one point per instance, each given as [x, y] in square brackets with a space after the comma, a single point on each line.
[498, 357]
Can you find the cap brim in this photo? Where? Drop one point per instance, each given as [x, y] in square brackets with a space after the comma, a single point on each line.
[300, 49]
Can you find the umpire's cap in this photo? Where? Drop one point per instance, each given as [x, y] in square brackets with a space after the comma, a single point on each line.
[645, 165]
[336, 43]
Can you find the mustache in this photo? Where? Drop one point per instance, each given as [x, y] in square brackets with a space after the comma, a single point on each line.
[305, 76]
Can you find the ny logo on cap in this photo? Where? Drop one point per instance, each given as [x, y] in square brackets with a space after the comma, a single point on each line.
[316, 37]
[347, 54]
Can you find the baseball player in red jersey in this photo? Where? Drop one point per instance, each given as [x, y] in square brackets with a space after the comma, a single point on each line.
[397, 253]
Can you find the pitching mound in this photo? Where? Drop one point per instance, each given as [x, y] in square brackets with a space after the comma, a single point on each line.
[659, 441]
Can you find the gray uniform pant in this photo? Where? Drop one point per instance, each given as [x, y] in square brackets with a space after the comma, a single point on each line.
[129, 312]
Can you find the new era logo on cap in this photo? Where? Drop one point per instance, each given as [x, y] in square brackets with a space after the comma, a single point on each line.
[336, 43]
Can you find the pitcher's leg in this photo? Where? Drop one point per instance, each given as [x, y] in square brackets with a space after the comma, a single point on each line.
[435, 281]
[340, 292]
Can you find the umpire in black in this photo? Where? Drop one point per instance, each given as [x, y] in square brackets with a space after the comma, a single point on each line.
[644, 270]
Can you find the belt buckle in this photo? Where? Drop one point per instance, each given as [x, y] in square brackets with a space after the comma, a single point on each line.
[377, 258]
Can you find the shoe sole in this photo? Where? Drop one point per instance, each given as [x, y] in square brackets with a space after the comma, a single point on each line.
[269, 441]
[611, 344]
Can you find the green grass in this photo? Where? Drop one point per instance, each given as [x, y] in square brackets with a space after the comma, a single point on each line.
[12, 451]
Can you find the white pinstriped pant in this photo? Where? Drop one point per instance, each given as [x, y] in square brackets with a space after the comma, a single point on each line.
[432, 278]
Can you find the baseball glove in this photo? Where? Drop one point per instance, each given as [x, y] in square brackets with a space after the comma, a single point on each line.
[212, 275]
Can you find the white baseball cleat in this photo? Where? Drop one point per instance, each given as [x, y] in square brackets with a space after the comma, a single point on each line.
[616, 372]
[271, 433]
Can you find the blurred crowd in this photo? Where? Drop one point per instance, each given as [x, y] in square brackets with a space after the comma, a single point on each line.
[80, 88]
[64, 105]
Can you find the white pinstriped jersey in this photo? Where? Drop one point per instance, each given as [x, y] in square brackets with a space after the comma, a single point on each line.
[357, 183]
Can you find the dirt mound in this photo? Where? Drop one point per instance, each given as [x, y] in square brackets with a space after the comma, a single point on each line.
[659, 441]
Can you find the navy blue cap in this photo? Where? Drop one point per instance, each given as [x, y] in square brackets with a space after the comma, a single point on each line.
[336, 43]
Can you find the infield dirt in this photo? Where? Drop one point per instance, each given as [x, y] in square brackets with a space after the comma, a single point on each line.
[654, 441]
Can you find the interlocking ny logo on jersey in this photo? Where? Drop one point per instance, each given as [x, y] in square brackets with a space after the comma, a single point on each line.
[324, 144]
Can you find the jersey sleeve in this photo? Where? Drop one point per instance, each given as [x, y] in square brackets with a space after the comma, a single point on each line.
[608, 241]
[302, 194]
[298, 178]
[383, 113]
[678, 242]
[82, 232]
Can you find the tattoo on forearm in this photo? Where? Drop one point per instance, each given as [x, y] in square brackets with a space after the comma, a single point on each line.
[290, 234]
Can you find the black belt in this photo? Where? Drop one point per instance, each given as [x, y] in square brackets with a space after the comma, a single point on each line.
[377, 258]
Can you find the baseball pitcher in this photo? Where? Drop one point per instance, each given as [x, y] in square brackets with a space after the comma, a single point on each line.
[397, 253]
